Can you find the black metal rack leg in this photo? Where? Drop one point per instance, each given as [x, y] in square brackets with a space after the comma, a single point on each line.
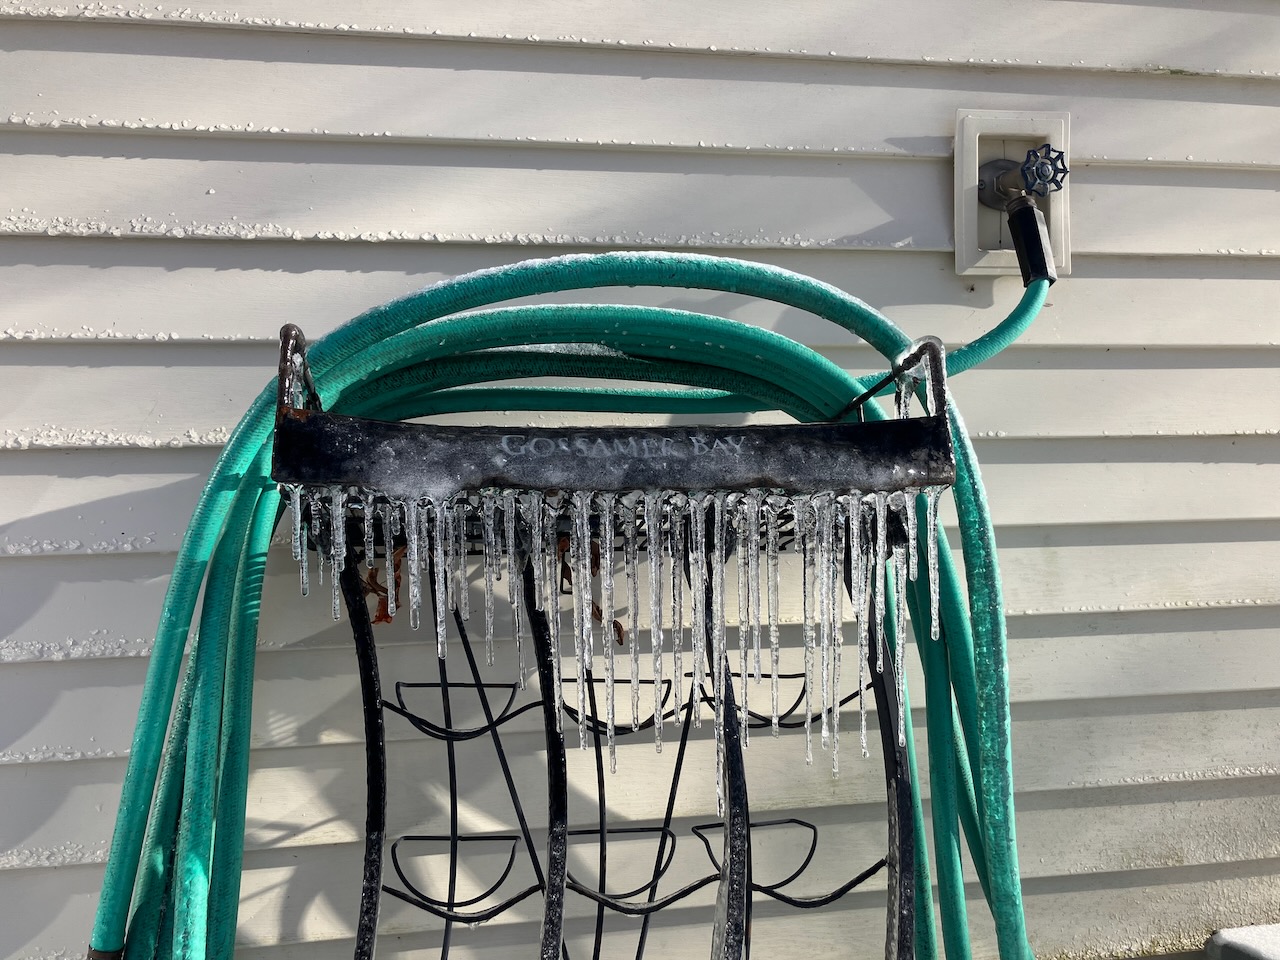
[375, 753]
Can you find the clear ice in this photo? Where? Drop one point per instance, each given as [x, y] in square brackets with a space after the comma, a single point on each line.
[773, 520]
[653, 538]
[609, 638]
[800, 508]
[631, 562]
[580, 551]
[490, 564]
[845, 542]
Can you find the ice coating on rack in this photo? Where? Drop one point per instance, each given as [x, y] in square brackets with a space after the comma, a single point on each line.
[848, 554]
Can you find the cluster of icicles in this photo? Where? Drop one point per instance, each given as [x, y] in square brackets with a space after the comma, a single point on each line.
[688, 540]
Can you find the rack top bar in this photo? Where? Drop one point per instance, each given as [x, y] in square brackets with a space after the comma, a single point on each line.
[407, 460]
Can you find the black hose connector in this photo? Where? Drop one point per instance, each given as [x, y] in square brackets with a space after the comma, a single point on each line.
[1031, 240]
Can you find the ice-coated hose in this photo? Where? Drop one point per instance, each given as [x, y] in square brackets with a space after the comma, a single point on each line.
[463, 293]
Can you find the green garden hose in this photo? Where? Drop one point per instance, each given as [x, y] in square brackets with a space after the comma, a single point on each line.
[239, 508]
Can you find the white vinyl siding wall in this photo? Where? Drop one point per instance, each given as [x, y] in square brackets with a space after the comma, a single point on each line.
[177, 182]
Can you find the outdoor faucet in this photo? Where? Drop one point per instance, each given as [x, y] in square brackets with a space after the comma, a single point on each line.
[1012, 187]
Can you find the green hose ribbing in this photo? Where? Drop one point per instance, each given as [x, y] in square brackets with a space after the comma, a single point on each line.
[454, 371]
[995, 788]
[942, 775]
[199, 798]
[156, 872]
[649, 332]
[589, 400]
[464, 293]
[1003, 334]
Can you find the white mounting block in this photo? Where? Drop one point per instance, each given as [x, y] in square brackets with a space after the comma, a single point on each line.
[983, 244]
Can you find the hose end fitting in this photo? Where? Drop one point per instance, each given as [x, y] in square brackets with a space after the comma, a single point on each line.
[1030, 236]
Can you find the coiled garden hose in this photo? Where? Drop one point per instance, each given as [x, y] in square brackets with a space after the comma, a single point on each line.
[191, 858]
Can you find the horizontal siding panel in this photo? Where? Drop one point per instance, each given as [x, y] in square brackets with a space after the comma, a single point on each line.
[1111, 36]
[163, 395]
[128, 500]
[444, 193]
[103, 501]
[107, 605]
[1162, 911]
[68, 288]
[307, 697]
[178, 187]
[1207, 749]
[63, 75]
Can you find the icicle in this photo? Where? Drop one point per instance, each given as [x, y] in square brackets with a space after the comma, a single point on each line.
[388, 546]
[338, 543]
[913, 544]
[304, 563]
[901, 398]
[370, 514]
[552, 531]
[491, 559]
[438, 510]
[445, 529]
[631, 562]
[805, 543]
[515, 586]
[862, 578]
[931, 533]
[538, 544]
[928, 390]
[413, 560]
[751, 505]
[825, 566]
[607, 506]
[721, 668]
[608, 503]
[698, 596]
[900, 636]
[575, 565]
[580, 549]
[839, 529]
[675, 548]
[294, 494]
[737, 523]
[854, 506]
[773, 519]
[653, 537]
[882, 556]
[460, 557]
[296, 540]
[317, 520]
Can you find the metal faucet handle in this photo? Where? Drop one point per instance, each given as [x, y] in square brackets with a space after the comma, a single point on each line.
[1044, 170]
